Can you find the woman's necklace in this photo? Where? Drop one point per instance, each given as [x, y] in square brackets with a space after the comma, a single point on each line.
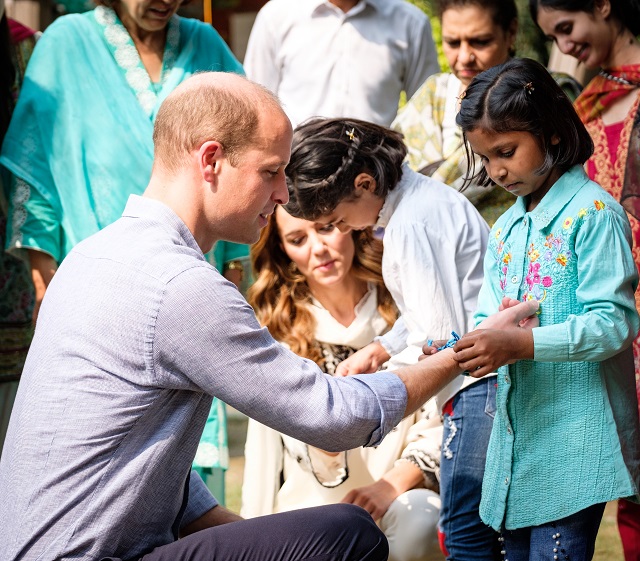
[618, 79]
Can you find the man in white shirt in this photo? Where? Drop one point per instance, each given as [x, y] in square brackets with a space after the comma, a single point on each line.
[341, 58]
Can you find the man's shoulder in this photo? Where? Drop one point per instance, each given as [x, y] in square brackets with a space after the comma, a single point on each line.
[400, 9]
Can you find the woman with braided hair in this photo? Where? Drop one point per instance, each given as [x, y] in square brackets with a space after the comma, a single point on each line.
[351, 174]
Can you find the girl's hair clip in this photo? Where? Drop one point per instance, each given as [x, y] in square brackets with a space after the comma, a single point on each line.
[462, 95]
[352, 135]
[529, 87]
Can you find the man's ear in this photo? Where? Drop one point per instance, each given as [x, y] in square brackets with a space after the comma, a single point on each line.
[364, 182]
[210, 155]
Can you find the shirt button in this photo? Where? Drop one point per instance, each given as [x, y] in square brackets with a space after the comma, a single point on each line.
[506, 481]
[508, 430]
[507, 379]
[514, 279]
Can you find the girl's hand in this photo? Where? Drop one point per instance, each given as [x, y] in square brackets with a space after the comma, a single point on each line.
[528, 322]
[483, 351]
[428, 350]
[499, 340]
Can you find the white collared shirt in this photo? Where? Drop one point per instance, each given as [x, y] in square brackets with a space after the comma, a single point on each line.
[434, 245]
[321, 61]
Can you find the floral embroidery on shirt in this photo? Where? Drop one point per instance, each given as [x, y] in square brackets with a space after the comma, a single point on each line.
[599, 205]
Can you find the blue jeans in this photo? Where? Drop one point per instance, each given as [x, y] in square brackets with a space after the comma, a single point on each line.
[570, 539]
[464, 450]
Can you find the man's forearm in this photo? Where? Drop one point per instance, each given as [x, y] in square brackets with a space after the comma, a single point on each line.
[426, 378]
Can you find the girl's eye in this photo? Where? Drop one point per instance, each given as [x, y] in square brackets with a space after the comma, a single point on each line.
[507, 154]
[295, 241]
[327, 228]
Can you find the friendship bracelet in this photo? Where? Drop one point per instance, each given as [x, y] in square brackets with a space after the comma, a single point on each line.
[450, 343]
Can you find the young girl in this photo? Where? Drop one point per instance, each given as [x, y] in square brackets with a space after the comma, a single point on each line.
[565, 438]
[351, 173]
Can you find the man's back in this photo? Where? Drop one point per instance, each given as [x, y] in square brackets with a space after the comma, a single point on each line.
[323, 62]
[82, 443]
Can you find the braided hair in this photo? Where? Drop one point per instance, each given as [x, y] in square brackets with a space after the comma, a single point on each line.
[328, 154]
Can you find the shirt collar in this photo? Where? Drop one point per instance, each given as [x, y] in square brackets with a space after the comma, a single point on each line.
[319, 7]
[394, 196]
[151, 209]
[556, 199]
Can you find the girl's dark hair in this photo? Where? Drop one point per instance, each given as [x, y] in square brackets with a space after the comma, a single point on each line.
[328, 154]
[521, 95]
[626, 12]
[503, 12]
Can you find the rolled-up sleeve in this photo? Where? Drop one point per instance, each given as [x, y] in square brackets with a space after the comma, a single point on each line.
[200, 500]
[208, 338]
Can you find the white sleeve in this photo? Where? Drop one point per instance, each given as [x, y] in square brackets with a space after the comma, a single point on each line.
[260, 61]
[422, 59]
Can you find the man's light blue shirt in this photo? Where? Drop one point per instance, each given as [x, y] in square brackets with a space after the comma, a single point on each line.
[136, 333]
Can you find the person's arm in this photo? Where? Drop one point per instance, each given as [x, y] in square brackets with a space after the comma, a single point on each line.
[377, 497]
[34, 226]
[260, 60]
[609, 321]
[422, 56]
[217, 516]
[43, 267]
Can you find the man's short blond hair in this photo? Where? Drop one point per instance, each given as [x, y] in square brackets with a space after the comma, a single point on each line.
[209, 106]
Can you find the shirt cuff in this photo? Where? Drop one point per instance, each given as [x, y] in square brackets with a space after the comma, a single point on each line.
[550, 343]
[200, 500]
[392, 397]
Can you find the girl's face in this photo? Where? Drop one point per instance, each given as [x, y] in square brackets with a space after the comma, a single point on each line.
[321, 252]
[359, 213]
[511, 159]
[588, 37]
[473, 42]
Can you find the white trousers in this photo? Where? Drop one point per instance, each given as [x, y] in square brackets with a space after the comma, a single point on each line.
[411, 527]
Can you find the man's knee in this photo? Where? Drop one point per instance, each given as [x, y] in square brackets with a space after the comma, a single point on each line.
[353, 528]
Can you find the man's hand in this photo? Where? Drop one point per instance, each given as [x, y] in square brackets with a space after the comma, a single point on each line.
[217, 516]
[368, 359]
[500, 339]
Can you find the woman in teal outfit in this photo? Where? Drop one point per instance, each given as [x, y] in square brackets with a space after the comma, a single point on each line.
[80, 139]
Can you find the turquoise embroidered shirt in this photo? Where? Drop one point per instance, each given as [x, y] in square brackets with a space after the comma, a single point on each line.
[566, 431]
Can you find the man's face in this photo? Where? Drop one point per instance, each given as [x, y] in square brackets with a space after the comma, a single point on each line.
[250, 190]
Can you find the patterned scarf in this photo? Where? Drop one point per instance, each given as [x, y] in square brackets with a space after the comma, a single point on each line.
[601, 92]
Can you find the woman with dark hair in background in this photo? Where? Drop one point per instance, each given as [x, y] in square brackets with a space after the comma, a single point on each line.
[602, 34]
[16, 291]
[476, 35]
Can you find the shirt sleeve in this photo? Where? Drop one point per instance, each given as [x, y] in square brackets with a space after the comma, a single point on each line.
[207, 338]
[200, 500]
[607, 279]
[422, 56]
[260, 61]
[394, 340]
[32, 222]
[440, 294]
